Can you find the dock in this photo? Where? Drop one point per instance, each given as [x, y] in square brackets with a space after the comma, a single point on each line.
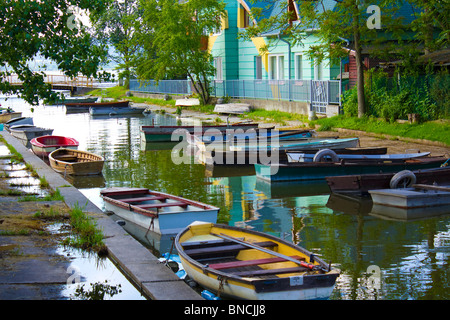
[418, 202]
[154, 280]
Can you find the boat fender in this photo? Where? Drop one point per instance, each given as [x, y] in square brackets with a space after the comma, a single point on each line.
[208, 295]
[404, 179]
[321, 154]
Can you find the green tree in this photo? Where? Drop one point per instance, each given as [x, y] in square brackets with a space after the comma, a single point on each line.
[172, 37]
[116, 27]
[47, 28]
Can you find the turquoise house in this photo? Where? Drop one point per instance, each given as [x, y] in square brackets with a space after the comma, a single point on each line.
[237, 59]
[283, 73]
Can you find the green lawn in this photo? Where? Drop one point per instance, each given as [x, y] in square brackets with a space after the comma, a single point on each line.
[433, 130]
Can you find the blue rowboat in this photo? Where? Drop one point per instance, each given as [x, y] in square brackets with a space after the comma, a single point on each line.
[304, 144]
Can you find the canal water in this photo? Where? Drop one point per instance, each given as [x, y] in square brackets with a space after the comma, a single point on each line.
[380, 255]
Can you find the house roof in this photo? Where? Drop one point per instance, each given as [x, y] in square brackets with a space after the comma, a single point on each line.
[440, 58]
[273, 8]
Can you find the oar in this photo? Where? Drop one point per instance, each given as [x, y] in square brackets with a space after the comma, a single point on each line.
[274, 253]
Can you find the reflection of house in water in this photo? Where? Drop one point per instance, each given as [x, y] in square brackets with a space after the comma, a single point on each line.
[253, 206]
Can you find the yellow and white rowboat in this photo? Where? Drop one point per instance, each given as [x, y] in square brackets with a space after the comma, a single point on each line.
[238, 263]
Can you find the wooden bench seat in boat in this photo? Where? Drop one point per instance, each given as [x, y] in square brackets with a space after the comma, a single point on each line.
[247, 263]
[66, 158]
[161, 205]
[205, 244]
[269, 272]
[226, 249]
[142, 199]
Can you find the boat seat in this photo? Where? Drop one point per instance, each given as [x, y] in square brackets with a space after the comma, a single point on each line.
[161, 205]
[269, 272]
[205, 243]
[142, 199]
[223, 250]
[247, 263]
[67, 158]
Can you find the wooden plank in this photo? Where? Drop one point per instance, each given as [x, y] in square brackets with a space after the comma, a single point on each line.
[161, 205]
[431, 187]
[247, 263]
[225, 249]
[260, 248]
[268, 272]
[205, 244]
[141, 199]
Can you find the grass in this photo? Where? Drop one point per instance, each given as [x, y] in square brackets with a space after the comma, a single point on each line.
[120, 93]
[87, 236]
[433, 130]
[274, 116]
[53, 196]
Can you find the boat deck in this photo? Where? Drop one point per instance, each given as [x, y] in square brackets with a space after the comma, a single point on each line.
[221, 255]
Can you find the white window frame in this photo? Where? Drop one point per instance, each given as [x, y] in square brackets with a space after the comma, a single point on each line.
[298, 66]
[279, 72]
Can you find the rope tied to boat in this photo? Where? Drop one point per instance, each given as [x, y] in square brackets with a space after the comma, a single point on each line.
[222, 281]
[65, 170]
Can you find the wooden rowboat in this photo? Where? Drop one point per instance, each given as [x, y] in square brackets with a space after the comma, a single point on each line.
[164, 133]
[44, 145]
[302, 171]
[361, 184]
[84, 107]
[75, 162]
[156, 211]
[113, 111]
[330, 154]
[27, 132]
[224, 157]
[5, 116]
[239, 263]
[18, 121]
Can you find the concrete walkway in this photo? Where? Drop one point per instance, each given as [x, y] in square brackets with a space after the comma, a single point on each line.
[136, 262]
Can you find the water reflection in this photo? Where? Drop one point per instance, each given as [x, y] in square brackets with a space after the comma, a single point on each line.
[412, 256]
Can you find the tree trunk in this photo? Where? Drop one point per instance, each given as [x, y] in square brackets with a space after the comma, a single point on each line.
[359, 69]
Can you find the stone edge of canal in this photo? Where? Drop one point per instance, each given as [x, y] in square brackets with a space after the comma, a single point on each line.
[136, 262]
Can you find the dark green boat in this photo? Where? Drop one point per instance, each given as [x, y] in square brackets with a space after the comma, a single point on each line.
[302, 171]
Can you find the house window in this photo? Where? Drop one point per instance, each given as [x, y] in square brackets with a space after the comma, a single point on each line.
[219, 69]
[276, 67]
[258, 67]
[298, 67]
[247, 19]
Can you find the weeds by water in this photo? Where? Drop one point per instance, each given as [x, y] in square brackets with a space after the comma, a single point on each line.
[52, 196]
[86, 234]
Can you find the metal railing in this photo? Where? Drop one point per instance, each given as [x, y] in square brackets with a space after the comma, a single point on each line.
[56, 79]
[318, 93]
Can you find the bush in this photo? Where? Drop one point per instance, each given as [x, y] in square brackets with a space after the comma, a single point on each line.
[394, 98]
